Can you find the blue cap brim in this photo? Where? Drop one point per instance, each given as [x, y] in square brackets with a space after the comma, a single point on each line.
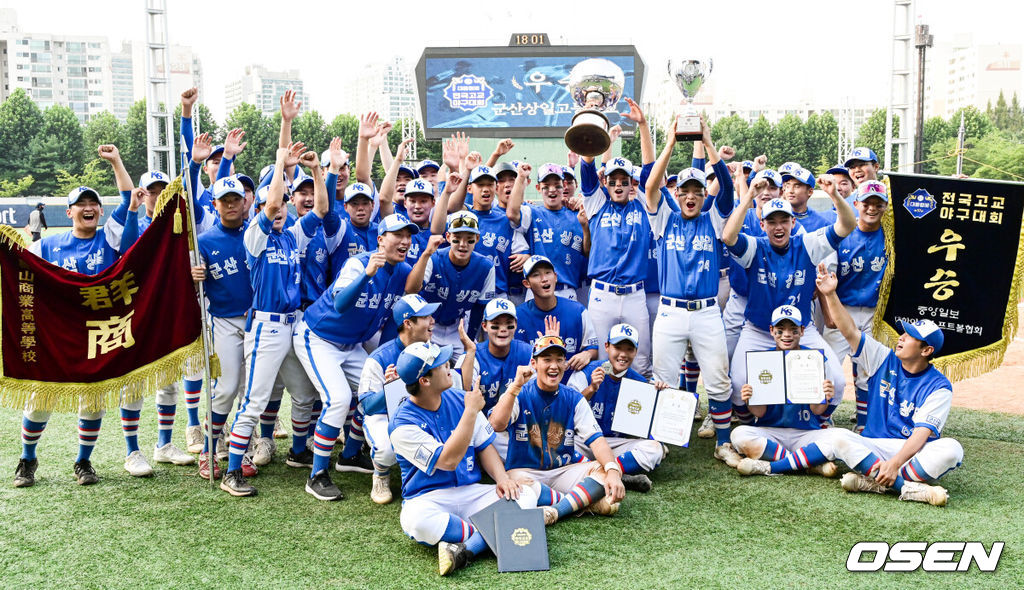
[446, 354]
[621, 338]
[464, 230]
[381, 230]
[537, 353]
[913, 331]
[92, 192]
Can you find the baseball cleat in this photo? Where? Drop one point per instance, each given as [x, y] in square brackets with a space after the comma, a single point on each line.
[84, 473]
[604, 507]
[194, 439]
[172, 454]
[550, 515]
[136, 465]
[303, 459]
[204, 467]
[825, 469]
[914, 491]
[222, 446]
[265, 449]
[637, 483]
[707, 428]
[698, 414]
[381, 491]
[279, 429]
[358, 464]
[748, 466]
[248, 469]
[25, 473]
[858, 482]
[450, 557]
[235, 484]
[321, 487]
[725, 452]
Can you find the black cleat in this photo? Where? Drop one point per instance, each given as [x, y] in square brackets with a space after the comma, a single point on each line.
[85, 474]
[637, 483]
[25, 474]
[450, 557]
[303, 459]
[235, 484]
[321, 487]
[358, 464]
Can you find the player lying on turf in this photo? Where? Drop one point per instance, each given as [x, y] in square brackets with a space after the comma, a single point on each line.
[908, 403]
[787, 437]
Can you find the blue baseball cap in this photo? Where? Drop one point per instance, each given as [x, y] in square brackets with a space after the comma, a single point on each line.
[265, 171]
[801, 175]
[872, 188]
[407, 169]
[499, 307]
[775, 206]
[301, 179]
[217, 150]
[568, 172]
[412, 306]
[770, 175]
[839, 170]
[788, 168]
[152, 177]
[396, 222]
[619, 165]
[620, 332]
[747, 165]
[229, 185]
[419, 358]
[246, 181]
[861, 154]
[549, 170]
[358, 189]
[671, 179]
[688, 174]
[418, 186]
[533, 261]
[787, 312]
[924, 330]
[80, 192]
[464, 221]
[481, 172]
[263, 192]
[427, 164]
[635, 174]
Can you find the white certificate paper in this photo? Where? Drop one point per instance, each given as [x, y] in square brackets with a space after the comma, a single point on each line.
[634, 408]
[394, 393]
[673, 417]
[805, 376]
[766, 374]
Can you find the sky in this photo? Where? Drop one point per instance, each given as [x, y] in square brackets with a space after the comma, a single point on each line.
[771, 52]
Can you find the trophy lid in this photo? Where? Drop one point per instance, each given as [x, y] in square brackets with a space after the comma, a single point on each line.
[598, 81]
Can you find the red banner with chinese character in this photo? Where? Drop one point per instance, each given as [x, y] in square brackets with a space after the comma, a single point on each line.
[69, 338]
[955, 257]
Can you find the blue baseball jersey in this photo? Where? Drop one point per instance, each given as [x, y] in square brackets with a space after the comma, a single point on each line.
[576, 327]
[377, 296]
[316, 258]
[602, 403]
[418, 245]
[457, 289]
[789, 415]
[495, 244]
[898, 401]
[418, 436]
[811, 220]
[362, 239]
[620, 234]
[738, 274]
[91, 256]
[273, 259]
[371, 380]
[227, 285]
[861, 263]
[782, 277]
[544, 426]
[558, 236]
[497, 373]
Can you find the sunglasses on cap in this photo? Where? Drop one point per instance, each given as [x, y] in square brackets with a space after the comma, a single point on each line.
[464, 221]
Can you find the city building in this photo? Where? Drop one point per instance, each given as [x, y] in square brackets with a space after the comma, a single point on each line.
[129, 74]
[263, 89]
[960, 73]
[388, 88]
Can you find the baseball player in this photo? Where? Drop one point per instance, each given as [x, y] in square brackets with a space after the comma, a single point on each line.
[573, 321]
[499, 241]
[860, 264]
[845, 188]
[690, 255]
[620, 235]
[413, 314]
[329, 339]
[86, 249]
[272, 254]
[908, 403]
[862, 164]
[797, 187]
[787, 437]
[419, 203]
[599, 383]
[456, 277]
[442, 441]
[779, 268]
[544, 418]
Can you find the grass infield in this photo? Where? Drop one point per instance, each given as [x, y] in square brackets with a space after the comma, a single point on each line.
[702, 525]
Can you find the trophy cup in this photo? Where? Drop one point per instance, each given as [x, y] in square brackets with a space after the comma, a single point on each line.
[595, 85]
[689, 75]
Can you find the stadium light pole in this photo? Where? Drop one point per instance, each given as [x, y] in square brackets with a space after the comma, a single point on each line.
[922, 41]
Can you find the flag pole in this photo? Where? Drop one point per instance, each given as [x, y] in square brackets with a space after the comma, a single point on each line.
[211, 456]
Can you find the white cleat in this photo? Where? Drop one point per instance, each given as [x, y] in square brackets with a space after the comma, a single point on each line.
[725, 452]
[279, 429]
[136, 465]
[381, 491]
[825, 470]
[707, 428]
[858, 482]
[914, 491]
[194, 439]
[264, 453]
[172, 454]
[550, 515]
[748, 466]
[222, 446]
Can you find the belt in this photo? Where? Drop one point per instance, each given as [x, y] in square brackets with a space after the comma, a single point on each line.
[618, 289]
[688, 304]
[562, 286]
[283, 318]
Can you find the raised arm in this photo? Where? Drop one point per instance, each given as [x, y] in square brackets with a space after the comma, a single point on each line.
[502, 411]
[636, 115]
[379, 144]
[110, 153]
[414, 283]
[188, 98]
[454, 449]
[724, 195]
[652, 191]
[289, 110]
[504, 146]
[515, 200]
[846, 222]
[321, 204]
[387, 186]
[826, 283]
[731, 233]
[286, 158]
[364, 159]
[233, 145]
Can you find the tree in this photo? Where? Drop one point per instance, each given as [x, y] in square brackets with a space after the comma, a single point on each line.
[760, 141]
[936, 130]
[60, 123]
[346, 127]
[976, 123]
[733, 131]
[134, 150]
[261, 134]
[310, 129]
[15, 187]
[872, 135]
[788, 143]
[20, 122]
[207, 124]
[43, 162]
[102, 129]
[821, 138]
[992, 156]
[96, 175]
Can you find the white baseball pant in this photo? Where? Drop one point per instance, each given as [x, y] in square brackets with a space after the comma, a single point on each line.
[607, 309]
[375, 427]
[562, 479]
[724, 289]
[732, 317]
[653, 302]
[648, 453]
[229, 345]
[334, 371]
[935, 459]
[425, 517]
[703, 331]
[751, 440]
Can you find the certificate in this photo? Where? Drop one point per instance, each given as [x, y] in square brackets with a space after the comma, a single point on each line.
[805, 376]
[634, 408]
[673, 417]
[766, 374]
[394, 394]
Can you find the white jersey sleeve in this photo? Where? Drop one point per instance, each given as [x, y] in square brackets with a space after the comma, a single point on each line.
[256, 235]
[932, 414]
[489, 286]
[372, 377]
[519, 243]
[578, 381]
[659, 219]
[36, 248]
[525, 218]
[352, 270]
[417, 446]
[817, 245]
[589, 332]
[483, 434]
[747, 258]
[586, 425]
[870, 355]
[460, 365]
[832, 262]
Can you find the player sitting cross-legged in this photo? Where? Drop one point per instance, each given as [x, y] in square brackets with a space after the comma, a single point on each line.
[786, 437]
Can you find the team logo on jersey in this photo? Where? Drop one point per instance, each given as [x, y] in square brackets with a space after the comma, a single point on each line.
[919, 203]
[634, 407]
[765, 377]
[906, 408]
[468, 92]
[521, 537]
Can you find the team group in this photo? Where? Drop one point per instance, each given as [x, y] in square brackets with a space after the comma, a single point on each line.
[511, 324]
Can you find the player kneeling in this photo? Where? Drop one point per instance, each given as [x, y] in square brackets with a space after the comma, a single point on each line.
[441, 441]
[599, 382]
[544, 418]
[908, 402]
[786, 437]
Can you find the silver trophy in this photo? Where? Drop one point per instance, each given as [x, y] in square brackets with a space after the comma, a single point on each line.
[689, 75]
[595, 85]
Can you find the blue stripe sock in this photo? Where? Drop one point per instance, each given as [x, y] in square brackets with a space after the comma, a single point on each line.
[192, 389]
[802, 458]
[913, 471]
[165, 416]
[773, 451]
[476, 544]
[721, 414]
[457, 530]
[869, 462]
[629, 464]
[580, 496]
[862, 407]
[218, 426]
[323, 444]
[30, 433]
[88, 432]
[268, 418]
[547, 496]
[354, 438]
[130, 427]
[235, 459]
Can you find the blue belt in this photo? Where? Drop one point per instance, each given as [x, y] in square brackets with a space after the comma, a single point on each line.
[688, 304]
[618, 289]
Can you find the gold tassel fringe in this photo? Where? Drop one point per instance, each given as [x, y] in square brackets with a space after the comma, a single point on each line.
[12, 237]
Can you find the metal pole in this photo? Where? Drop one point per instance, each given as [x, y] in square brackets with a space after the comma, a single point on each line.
[960, 147]
[922, 41]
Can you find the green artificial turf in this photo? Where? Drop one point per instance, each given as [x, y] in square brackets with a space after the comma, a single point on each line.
[702, 526]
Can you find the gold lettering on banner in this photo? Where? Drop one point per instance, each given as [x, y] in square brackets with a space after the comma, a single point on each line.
[111, 334]
[942, 283]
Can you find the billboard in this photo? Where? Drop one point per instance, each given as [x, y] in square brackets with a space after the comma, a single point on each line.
[512, 91]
